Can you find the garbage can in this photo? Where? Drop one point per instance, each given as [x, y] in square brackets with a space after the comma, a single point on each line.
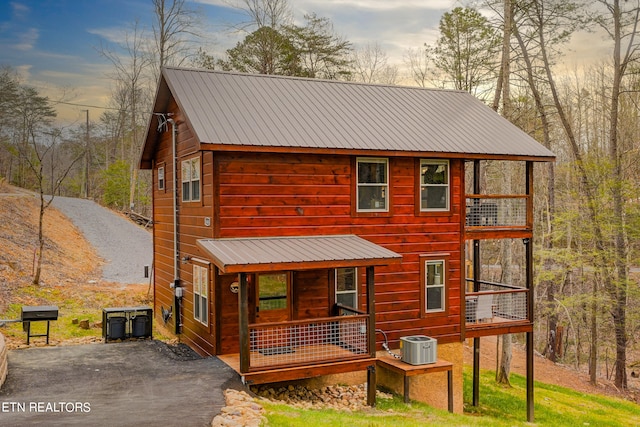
[117, 328]
[139, 327]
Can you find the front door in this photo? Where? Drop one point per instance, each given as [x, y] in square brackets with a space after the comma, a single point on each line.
[273, 297]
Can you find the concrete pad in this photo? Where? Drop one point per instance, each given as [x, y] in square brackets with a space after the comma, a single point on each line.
[115, 384]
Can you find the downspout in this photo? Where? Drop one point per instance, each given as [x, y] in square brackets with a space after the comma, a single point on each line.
[177, 290]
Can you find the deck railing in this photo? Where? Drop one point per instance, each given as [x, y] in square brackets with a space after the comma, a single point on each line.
[496, 303]
[304, 342]
[496, 211]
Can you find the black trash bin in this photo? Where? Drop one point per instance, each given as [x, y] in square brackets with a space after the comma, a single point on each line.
[117, 328]
[139, 328]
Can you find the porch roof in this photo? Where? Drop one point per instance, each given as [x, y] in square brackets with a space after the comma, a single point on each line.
[252, 255]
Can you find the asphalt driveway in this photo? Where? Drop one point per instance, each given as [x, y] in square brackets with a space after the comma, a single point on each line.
[114, 384]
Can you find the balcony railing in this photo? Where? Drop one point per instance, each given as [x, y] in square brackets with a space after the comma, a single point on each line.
[496, 303]
[305, 342]
[496, 211]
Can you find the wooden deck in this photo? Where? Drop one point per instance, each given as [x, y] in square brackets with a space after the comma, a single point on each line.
[279, 374]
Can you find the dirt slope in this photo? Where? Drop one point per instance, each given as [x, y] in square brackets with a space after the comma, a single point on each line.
[71, 270]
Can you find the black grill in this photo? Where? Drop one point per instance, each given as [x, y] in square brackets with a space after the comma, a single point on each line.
[35, 314]
[39, 312]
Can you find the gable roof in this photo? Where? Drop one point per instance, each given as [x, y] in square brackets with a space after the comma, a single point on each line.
[265, 112]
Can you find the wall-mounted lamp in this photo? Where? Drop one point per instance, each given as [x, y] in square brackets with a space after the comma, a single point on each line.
[185, 259]
[234, 287]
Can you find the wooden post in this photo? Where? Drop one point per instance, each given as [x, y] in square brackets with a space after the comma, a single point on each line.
[371, 310]
[476, 288]
[529, 279]
[243, 322]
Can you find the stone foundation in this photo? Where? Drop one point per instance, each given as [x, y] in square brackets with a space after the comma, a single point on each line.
[428, 388]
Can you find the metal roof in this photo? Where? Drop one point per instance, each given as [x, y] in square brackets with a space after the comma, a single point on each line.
[250, 255]
[265, 111]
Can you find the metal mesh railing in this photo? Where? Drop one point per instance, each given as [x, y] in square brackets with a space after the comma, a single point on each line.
[306, 342]
[496, 303]
[496, 211]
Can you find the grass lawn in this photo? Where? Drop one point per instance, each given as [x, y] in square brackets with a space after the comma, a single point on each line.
[499, 406]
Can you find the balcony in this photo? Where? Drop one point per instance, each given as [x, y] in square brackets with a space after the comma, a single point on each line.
[507, 213]
[497, 308]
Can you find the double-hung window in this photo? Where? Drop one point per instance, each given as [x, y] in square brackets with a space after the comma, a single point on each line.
[201, 294]
[191, 180]
[433, 273]
[373, 185]
[347, 287]
[434, 185]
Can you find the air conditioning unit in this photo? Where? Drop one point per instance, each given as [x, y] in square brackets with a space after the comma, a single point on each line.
[418, 350]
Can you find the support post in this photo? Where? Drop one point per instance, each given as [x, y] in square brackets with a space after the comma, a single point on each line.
[529, 283]
[243, 322]
[476, 288]
[371, 310]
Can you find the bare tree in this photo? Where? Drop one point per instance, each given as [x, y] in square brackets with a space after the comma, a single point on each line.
[264, 13]
[175, 28]
[130, 71]
[419, 62]
[370, 65]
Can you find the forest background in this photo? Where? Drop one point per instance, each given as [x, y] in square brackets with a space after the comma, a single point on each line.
[505, 52]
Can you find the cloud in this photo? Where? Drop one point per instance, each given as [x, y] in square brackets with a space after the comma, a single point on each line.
[116, 35]
[19, 10]
[377, 5]
[27, 40]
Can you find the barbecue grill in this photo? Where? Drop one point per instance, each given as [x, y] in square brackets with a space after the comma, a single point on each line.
[36, 314]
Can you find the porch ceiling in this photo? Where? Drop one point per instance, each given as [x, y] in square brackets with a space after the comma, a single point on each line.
[252, 255]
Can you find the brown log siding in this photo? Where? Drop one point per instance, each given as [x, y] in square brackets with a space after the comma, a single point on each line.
[281, 194]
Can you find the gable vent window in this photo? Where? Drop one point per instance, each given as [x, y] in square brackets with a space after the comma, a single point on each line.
[161, 178]
[191, 180]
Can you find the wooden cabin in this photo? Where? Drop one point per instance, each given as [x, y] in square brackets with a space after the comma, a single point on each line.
[301, 224]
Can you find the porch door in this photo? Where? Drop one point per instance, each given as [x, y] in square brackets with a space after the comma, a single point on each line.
[273, 297]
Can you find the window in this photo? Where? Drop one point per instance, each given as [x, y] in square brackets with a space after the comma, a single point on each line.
[272, 291]
[161, 178]
[347, 287]
[191, 180]
[433, 276]
[434, 185]
[201, 294]
[373, 185]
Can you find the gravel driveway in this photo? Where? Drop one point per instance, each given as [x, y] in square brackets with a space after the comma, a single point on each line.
[125, 246]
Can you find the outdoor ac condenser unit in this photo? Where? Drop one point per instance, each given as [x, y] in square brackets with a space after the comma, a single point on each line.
[418, 350]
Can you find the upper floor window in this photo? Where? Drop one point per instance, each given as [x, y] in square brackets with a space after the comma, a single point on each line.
[434, 185]
[191, 180]
[161, 178]
[373, 185]
[201, 294]
[347, 287]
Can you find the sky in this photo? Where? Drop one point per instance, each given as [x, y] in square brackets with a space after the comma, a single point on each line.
[55, 45]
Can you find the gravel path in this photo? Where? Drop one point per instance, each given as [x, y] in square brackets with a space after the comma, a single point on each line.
[125, 247]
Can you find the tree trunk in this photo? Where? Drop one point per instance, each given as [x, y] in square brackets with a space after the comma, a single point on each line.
[505, 360]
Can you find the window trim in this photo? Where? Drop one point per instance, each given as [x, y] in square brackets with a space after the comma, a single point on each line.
[420, 185]
[445, 281]
[200, 302]
[387, 187]
[191, 162]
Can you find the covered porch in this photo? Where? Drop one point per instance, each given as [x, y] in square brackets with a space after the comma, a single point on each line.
[298, 348]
